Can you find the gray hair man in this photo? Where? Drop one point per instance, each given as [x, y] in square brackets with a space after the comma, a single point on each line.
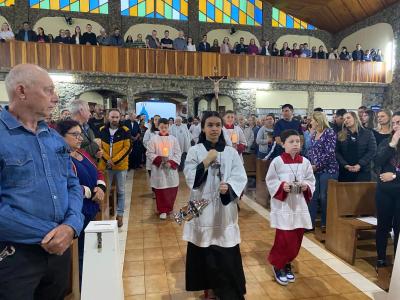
[80, 112]
[40, 196]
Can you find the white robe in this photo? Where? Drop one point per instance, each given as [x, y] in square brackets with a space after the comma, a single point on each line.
[239, 133]
[146, 139]
[195, 131]
[162, 178]
[183, 135]
[218, 224]
[293, 212]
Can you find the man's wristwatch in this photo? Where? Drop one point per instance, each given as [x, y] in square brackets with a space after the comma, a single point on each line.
[392, 145]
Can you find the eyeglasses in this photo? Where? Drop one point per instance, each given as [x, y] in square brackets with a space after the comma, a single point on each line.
[76, 135]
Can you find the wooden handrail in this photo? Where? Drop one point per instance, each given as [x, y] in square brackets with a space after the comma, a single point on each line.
[83, 58]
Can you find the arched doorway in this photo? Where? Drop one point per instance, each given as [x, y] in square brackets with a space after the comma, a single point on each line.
[207, 102]
[107, 98]
[164, 103]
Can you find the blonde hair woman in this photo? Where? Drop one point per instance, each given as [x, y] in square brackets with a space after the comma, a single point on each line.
[226, 46]
[384, 128]
[6, 33]
[323, 160]
[356, 147]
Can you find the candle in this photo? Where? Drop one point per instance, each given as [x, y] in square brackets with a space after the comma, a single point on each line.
[165, 151]
[234, 138]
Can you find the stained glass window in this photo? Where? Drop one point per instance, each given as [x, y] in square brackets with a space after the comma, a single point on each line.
[243, 12]
[161, 9]
[87, 6]
[7, 2]
[282, 19]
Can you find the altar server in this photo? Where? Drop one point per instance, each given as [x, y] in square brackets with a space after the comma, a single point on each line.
[290, 181]
[233, 134]
[147, 137]
[165, 155]
[215, 173]
[181, 132]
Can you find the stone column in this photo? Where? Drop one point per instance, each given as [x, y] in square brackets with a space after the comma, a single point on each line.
[21, 14]
[114, 15]
[190, 102]
[267, 21]
[310, 104]
[193, 20]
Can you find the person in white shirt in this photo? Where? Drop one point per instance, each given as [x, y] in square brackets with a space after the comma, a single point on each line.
[195, 130]
[233, 134]
[190, 46]
[164, 153]
[214, 172]
[6, 33]
[181, 132]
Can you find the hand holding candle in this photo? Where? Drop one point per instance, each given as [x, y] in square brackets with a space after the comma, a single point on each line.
[165, 152]
[234, 138]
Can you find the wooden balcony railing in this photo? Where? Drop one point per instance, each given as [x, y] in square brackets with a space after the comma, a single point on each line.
[76, 58]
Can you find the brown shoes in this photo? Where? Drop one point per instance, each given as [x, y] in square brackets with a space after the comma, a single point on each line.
[120, 222]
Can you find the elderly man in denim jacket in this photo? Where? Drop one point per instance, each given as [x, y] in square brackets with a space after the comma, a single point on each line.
[40, 196]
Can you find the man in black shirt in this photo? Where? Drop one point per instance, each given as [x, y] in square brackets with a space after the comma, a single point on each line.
[337, 124]
[61, 38]
[166, 42]
[204, 46]
[241, 47]
[96, 122]
[358, 54]
[89, 38]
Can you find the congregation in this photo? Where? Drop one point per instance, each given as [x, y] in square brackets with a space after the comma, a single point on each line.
[183, 43]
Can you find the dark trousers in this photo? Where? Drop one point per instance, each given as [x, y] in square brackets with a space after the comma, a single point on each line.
[33, 274]
[388, 215]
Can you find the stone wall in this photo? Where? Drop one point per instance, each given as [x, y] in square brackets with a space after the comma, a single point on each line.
[192, 89]
[21, 12]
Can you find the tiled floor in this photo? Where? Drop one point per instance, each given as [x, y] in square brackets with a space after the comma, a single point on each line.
[155, 257]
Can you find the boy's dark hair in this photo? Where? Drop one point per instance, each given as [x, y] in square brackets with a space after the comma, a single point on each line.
[114, 109]
[341, 112]
[163, 121]
[318, 109]
[288, 132]
[229, 112]
[363, 107]
[290, 106]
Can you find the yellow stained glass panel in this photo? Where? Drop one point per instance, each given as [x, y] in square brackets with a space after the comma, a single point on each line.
[149, 6]
[250, 9]
[36, 5]
[259, 4]
[282, 18]
[203, 6]
[296, 25]
[160, 7]
[235, 2]
[209, 20]
[242, 17]
[133, 11]
[169, 2]
[54, 4]
[218, 16]
[84, 5]
[227, 7]
[212, 2]
[184, 8]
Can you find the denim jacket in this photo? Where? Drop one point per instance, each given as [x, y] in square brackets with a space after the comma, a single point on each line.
[38, 188]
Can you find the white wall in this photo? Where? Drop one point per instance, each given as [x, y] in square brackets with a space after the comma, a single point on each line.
[146, 29]
[378, 36]
[3, 93]
[275, 99]
[202, 106]
[92, 97]
[4, 20]
[221, 33]
[222, 101]
[327, 100]
[54, 24]
[299, 39]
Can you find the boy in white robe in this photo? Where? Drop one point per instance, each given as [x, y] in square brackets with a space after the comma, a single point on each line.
[214, 172]
[233, 134]
[291, 183]
[181, 132]
[195, 130]
[165, 154]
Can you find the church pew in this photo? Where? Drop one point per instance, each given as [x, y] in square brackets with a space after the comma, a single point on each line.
[250, 163]
[262, 194]
[346, 202]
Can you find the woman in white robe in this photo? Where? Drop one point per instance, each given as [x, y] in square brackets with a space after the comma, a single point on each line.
[234, 135]
[165, 155]
[215, 173]
[291, 183]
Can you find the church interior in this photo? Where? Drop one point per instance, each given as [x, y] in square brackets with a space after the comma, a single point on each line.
[148, 68]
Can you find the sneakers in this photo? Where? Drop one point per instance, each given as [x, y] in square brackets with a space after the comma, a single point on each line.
[119, 221]
[289, 274]
[163, 216]
[280, 276]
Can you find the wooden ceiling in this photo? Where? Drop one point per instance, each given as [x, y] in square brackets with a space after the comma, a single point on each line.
[332, 15]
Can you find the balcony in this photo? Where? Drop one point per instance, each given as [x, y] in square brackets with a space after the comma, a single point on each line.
[113, 60]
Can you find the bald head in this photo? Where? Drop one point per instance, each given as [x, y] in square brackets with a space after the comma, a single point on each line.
[24, 75]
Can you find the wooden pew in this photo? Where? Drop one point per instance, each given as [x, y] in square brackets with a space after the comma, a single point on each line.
[250, 163]
[262, 194]
[346, 202]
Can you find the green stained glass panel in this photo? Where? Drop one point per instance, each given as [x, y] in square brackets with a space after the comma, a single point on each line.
[45, 4]
[202, 17]
[250, 21]
[75, 6]
[168, 11]
[219, 4]
[104, 9]
[226, 19]
[275, 14]
[142, 9]
[243, 5]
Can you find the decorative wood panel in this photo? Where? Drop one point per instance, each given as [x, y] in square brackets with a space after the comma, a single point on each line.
[78, 58]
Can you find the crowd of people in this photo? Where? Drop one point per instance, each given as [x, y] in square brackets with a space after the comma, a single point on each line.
[52, 181]
[184, 43]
